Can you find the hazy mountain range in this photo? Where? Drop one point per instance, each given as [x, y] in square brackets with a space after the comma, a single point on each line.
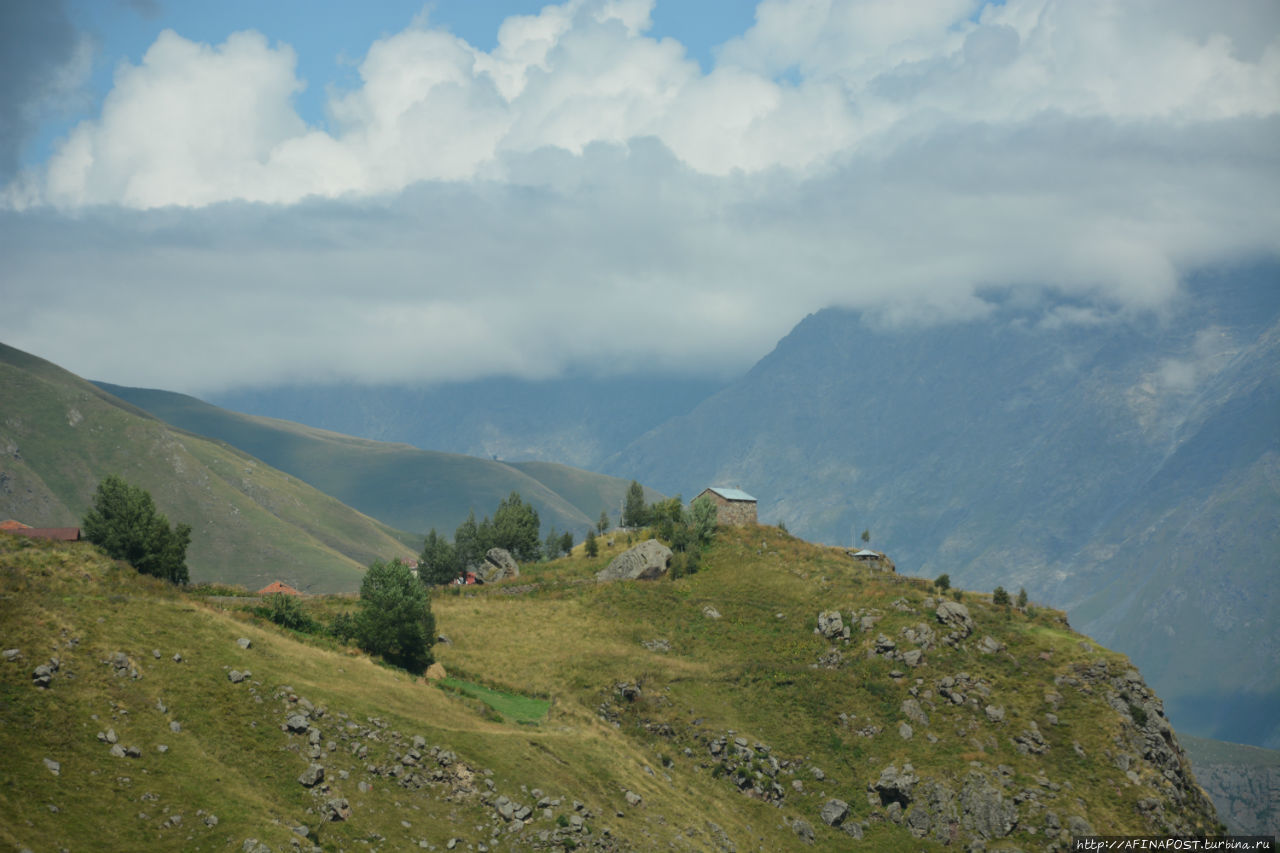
[1126, 467]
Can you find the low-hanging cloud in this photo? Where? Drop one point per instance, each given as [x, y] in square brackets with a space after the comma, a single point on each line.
[584, 196]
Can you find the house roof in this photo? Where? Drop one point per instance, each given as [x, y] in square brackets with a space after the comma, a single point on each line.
[11, 524]
[866, 552]
[731, 494]
[65, 534]
[275, 586]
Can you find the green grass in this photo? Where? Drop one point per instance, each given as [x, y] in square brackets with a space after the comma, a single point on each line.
[513, 706]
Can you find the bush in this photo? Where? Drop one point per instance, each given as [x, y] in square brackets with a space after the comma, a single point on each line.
[123, 522]
[286, 611]
[395, 618]
[943, 582]
[343, 627]
[1000, 597]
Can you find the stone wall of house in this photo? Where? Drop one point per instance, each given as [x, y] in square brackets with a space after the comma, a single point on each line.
[733, 513]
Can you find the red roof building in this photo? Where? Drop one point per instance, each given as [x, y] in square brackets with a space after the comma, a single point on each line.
[275, 586]
[61, 534]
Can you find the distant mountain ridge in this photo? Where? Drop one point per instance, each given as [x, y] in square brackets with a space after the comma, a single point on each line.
[251, 524]
[399, 484]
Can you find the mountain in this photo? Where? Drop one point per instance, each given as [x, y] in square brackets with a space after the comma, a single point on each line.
[398, 484]
[577, 421]
[704, 713]
[1244, 782]
[251, 524]
[1124, 467]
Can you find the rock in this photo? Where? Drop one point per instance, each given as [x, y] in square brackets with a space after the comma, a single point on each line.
[42, 675]
[646, 561]
[912, 658]
[710, 612]
[312, 776]
[633, 799]
[984, 810]
[244, 643]
[498, 565]
[803, 829]
[834, 812]
[175, 726]
[337, 809]
[905, 731]
[117, 751]
[53, 767]
[955, 616]
[830, 624]
[895, 787]
[989, 645]
[1078, 826]
[235, 676]
[297, 723]
[995, 713]
[177, 658]
[12, 655]
[912, 711]
[109, 736]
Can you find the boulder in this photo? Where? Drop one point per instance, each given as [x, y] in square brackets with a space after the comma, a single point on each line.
[895, 787]
[834, 812]
[955, 616]
[803, 829]
[646, 561]
[498, 565]
[312, 776]
[244, 643]
[830, 624]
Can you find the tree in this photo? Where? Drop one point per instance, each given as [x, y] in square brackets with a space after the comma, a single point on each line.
[566, 542]
[591, 545]
[123, 522]
[866, 536]
[551, 548]
[999, 596]
[702, 520]
[395, 618]
[634, 513]
[472, 541]
[943, 582]
[439, 561]
[1022, 598]
[602, 524]
[515, 527]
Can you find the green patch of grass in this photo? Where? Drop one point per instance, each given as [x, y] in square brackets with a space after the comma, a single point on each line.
[522, 709]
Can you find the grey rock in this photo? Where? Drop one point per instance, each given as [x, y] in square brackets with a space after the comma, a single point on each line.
[913, 657]
[710, 612]
[175, 726]
[110, 736]
[934, 812]
[955, 616]
[894, 786]
[53, 767]
[177, 658]
[834, 812]
[803, 829]
[244, 643]
[117, 751]
[312, 776]
[633, 799]
[989, 645]
[498, 565]
[912, 710]
[905, 731]
[337, 809]
[984, 809]
[995, 713]
[830, 624]
[211, 820]
[647, 561]
[235, 676]
[1077, 825]
[297, 723]
[11, 655]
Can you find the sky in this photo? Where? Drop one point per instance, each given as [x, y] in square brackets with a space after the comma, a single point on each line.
[199, 196]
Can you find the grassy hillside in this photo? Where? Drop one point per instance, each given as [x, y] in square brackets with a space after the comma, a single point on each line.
[251, 524]
[702, 713]
[403, 486]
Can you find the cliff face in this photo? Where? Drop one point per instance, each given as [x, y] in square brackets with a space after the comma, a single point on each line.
[1244, 782]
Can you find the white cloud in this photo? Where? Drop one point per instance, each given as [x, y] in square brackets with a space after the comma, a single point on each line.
[585, 195]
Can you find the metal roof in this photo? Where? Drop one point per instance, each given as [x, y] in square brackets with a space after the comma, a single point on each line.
[732, 494]
[866, 553]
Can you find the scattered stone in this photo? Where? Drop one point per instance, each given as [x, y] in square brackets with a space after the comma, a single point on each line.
[894, 786]
[995, 713]
[834, 812]
[912, 710]
[710, 612]
[312, 776]
[211, 820]
[235, 676]
[12, 655]
[830, 624]
[633, 799]
[53, 767]
[337, 809]
[297, 723]
[177, 658]
[905, 731]
[657, 645]
[955, 616]
[803, 829]
[647, 561]
[175, 726]
[155, 653]
[989, 645]
[244, 643]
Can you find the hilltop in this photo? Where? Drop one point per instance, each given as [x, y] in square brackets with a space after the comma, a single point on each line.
[251, 524]
[782, 695]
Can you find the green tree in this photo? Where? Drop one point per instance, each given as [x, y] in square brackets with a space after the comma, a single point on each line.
[602, 523]
[943, 581]
[591, 545]
[471, 541]
[439, 561]
[999, 596]
[551, 548]
[866, 536]
[566, 542]
[286, 611]
[702, 520]
[395, 618]
[123, 522]
[634, 512]
[516, 527]
[1022, 598]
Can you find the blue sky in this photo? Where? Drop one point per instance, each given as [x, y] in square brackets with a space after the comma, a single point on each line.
[197, 196]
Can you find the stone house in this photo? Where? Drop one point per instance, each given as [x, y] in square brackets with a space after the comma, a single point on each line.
[734, 507]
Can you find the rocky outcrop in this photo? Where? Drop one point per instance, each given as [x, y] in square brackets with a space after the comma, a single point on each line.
[646, 561]
[955, 616]
[498, 565]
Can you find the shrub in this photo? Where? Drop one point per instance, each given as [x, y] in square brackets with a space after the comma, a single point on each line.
[1000, 597]
[286, 611]
[943, 582]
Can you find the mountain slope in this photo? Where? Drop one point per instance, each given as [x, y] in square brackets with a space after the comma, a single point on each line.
[576, 420]
[403, 486]
[1039, 446]
[668, 728]
[60, 435]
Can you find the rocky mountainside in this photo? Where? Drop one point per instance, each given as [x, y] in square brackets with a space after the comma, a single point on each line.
[250, 524]
[1123, 467]
[1244, 782]
[783, 697]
